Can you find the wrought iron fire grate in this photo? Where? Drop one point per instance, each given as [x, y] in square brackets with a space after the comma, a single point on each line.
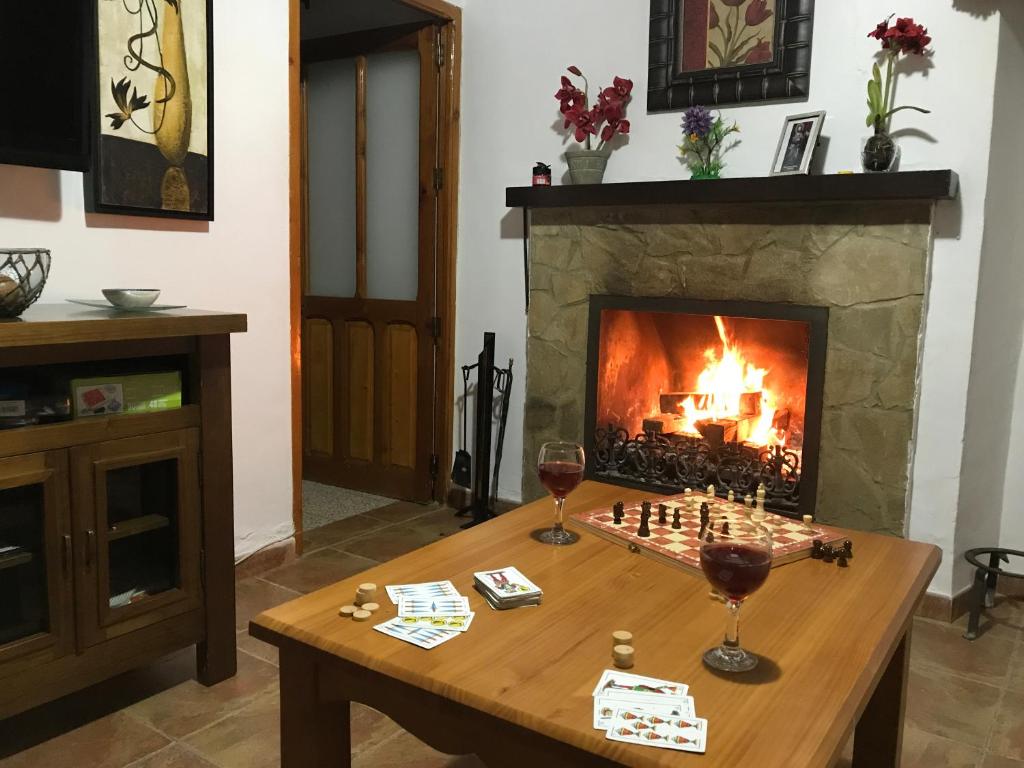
[676, 462]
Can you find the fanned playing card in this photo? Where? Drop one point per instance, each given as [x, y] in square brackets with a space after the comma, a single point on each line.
[606, 707]
[615, 683]
[433, 606]
[427, 589]
[424, 637]
[453, 623]
[686, 734]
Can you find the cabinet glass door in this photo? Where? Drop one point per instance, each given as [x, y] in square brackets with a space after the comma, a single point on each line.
[138, 501]
[35, 556]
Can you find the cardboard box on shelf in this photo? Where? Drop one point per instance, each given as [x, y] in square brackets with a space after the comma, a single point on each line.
[138, 393]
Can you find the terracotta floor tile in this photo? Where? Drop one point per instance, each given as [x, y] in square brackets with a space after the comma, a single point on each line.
[370, 728]
[190, 706]
[1008, 732]
[110, 742]
[254, 596]
[173, 756]
[1016, 678]
[261, 650]
[926, 750]
[340, 530]
[399, 539]
[250, 737]
[995, 761]
[950, 706]
[319, 569]
[401, 511]
[986, 659]
[406, 751]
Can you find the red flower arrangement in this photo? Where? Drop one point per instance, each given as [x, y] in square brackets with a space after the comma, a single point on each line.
[905, 37]
[606, 118]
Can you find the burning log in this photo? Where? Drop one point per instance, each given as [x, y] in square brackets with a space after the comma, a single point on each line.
[672, 402]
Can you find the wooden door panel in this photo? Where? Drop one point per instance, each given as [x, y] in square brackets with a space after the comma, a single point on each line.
[401, 341]
[318, 360]
[360, 361]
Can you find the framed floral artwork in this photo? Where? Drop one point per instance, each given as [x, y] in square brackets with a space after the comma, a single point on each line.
[719, 52]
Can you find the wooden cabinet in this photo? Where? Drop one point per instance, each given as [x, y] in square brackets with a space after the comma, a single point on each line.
[113, 549]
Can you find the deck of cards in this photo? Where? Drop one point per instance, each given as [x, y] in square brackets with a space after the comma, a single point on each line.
[429, 614]
[648, 711]
[505, 588]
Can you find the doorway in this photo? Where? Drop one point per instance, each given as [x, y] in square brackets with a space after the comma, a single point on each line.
[375, 139]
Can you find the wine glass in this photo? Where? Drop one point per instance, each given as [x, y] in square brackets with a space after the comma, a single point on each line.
[736, 562]
[560, 466]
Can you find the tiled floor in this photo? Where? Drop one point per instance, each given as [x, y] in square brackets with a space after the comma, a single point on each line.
[965, 709]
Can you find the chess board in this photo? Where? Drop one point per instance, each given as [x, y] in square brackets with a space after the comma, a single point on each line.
[791, 540]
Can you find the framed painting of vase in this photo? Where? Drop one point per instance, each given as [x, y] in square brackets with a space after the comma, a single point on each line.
[719, 52]
[152, 143]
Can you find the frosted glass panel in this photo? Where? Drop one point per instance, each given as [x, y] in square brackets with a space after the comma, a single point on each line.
[392, 168]
[331, 95]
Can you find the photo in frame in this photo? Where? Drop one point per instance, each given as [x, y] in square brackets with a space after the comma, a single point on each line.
[719, 52]
[152, 142]
[797, 143]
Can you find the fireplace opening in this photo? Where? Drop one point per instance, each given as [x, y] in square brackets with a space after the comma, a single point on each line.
[686, 394]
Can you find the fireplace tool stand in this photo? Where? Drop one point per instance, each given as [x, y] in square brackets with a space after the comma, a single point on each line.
[489, 379]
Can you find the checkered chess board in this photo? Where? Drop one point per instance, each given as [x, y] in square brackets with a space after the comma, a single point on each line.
[791, 540]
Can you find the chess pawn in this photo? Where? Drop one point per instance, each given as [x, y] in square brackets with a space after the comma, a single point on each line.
[711, 491]
[808, 528]
[731, 497]
[688, 492]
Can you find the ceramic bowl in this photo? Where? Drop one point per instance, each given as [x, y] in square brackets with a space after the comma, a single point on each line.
[131, 298]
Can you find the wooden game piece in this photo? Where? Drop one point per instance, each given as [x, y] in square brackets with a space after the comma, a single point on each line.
[662, 514]
[711, 492]
[808, 519]
[748, 501]
[725, 528]
[676, 523]
[688, 492]
[361, 615]
[841, 560]
[827, 553]
[346, 611]
[617, 512]
[371, 607]
[848, 549]
[731, 496]
[817, 551]
[644, 531]
[366, 593]
[621, 637]
[761, 493]
[622, 656]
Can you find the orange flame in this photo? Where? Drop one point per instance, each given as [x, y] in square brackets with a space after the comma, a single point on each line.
[720, 389]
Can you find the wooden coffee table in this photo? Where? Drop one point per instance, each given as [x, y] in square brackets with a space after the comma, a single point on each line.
[516, 688]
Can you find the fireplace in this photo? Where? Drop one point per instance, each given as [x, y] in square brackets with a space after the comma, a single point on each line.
[684, 393]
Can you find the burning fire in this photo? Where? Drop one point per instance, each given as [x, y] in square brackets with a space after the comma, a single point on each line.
[719, 395]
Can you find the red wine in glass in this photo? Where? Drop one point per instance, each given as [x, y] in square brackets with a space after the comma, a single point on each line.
[560, 468]
[736, 564]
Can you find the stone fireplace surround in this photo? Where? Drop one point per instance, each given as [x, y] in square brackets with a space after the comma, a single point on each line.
[866, 262]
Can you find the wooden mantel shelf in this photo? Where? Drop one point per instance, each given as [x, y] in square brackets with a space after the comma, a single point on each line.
[857, 187]
[43, 324]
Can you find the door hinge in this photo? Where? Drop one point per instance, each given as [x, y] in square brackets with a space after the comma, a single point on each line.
[439, 49]
[438, 179]
[435, 328]
[435, 466]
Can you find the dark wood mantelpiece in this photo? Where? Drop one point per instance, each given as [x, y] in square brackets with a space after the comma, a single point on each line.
[856, 187]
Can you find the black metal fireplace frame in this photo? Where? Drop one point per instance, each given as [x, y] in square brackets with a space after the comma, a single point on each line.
[816, 319]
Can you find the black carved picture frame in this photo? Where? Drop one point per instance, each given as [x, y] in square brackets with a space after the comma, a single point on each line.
[785, 78]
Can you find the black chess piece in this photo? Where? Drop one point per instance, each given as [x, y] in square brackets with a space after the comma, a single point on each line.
[644, 531]
[617, 512]
[828, 554]
[841, 560]
[816, 550]
[725, 528]
[676, 523]
[848, 549]
[705, 512]
[662, 514]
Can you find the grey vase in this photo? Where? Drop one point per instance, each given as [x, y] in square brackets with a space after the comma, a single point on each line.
[587, 166]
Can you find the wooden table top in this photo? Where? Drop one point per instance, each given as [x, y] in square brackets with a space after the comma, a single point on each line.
[69, 323]
[824, 635]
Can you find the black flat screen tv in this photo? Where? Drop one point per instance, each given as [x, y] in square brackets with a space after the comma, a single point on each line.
[44, 112]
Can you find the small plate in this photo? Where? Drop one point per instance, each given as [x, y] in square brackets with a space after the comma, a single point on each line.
[104, 304]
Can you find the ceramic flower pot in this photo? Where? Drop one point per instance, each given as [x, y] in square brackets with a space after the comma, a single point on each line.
[587, 166]
[880, 154]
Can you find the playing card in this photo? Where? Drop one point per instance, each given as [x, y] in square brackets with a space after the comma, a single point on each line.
[606, 707]
[426, 589]
[424, 637]
[433, 606]
[637, 687]
[453, 623]
[507, 582]
[687, 734]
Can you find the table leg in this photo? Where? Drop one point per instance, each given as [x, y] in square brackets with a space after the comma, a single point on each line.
[314, 733]
[878, 739]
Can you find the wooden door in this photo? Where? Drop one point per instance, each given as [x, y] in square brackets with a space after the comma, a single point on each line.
[136, 516]
[368, 356]
[36, 567]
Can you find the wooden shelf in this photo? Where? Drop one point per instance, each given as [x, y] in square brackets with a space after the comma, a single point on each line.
[857, 187]
[15, 558]
[136, 525]
[94, 429]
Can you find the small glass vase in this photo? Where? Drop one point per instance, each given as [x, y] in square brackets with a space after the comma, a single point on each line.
[880, 154]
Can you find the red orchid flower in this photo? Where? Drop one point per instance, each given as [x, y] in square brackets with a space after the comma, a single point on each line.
[760, 53]
[575, 70]
[879, 31]
[569, 95]
[758, 12]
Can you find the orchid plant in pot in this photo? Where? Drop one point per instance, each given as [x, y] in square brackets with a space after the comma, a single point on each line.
[604, 121]
[904, 38]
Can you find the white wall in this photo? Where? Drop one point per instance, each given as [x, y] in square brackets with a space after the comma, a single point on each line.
[238, 263]
[514, 54]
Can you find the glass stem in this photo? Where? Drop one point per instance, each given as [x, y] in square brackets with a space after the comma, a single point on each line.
[732, 629]
[559, 503]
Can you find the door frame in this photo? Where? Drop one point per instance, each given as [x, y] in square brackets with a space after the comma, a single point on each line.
[450, 17]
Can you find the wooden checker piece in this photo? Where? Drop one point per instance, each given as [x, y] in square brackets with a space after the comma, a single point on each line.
[791, 539]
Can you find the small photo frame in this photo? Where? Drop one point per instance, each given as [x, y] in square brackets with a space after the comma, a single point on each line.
[796, 144]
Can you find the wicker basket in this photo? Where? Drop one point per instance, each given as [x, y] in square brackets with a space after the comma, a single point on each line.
[23, 273]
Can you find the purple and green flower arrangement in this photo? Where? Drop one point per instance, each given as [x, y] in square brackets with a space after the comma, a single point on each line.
[703, 138]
